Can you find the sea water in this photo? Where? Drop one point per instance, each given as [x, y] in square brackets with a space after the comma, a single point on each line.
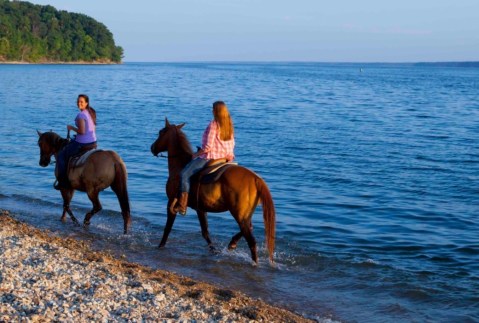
[374, 171]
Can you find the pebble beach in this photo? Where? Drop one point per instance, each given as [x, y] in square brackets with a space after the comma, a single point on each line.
[46, 278]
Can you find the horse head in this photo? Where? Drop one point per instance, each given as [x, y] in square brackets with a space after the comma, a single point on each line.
[168, 138]
[50, 143]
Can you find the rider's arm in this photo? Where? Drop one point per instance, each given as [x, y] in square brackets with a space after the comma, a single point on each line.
[81, 127]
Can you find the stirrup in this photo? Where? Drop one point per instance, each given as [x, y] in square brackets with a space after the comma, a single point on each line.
[56, 185]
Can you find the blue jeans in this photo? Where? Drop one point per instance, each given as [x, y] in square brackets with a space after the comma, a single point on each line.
[190, 169]
[64, 155]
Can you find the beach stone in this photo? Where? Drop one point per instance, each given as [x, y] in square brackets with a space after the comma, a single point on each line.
[44, 278]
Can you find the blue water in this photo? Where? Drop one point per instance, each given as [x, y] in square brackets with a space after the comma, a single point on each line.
[374, 174]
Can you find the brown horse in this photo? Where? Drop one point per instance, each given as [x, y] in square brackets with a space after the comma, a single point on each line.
[102, 169]
[238, 190]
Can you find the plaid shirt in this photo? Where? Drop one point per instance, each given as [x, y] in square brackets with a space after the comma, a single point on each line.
[213, 146]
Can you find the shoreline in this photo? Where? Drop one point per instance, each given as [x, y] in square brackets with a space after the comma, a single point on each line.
[57, 63]
[44, 277]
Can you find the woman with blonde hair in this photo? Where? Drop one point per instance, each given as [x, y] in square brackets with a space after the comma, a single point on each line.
[217, 142]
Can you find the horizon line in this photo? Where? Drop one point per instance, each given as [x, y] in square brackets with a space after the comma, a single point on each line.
[316, 62]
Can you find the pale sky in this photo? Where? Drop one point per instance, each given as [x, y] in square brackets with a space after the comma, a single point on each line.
[288, 30]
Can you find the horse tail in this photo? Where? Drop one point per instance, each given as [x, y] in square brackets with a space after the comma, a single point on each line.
[119, 186]
[121, 177]
[269, 215]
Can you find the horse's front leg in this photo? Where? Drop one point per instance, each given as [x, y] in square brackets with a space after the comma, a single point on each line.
[171, 216]
[203, 218]
[67, 195]
[93, 196]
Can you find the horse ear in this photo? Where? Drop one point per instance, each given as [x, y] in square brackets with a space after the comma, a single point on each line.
[39, 133]
[167, 124]
[180, 125]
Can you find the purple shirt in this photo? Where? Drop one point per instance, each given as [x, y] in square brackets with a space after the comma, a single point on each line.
[89, 136]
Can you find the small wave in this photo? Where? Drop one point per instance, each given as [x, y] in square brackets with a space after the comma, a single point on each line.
[426, 116]
[468, 250]
[366, 262]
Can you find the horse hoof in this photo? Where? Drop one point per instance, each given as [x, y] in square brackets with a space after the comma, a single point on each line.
[161, 245]
[232, 246]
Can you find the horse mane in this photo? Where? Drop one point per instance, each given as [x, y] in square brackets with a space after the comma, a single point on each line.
[55, 139]
[184, 143]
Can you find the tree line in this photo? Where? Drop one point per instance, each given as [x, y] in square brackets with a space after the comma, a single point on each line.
[36, 33]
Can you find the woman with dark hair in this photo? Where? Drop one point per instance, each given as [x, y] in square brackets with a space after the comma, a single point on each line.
[85, 127]
[218, 142]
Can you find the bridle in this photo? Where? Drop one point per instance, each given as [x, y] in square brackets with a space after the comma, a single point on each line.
[52, 161]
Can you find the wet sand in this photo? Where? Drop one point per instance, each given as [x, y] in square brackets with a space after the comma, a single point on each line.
[45, 278]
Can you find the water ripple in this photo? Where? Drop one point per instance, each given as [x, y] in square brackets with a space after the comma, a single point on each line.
[374, 177]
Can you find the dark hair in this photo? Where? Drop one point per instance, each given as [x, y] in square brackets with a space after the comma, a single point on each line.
[89, 108]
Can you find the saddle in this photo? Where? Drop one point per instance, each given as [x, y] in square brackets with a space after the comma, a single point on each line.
[79, 159]
[212, 171]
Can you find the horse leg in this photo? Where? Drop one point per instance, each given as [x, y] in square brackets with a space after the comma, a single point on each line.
[93, 196]
[203, 218]
[67, 195]
[169, 224]
[237, 237]
[126, 220]
[247, 231]
[234, 241]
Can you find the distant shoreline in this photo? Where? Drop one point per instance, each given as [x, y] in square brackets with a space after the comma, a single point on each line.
[58, 63]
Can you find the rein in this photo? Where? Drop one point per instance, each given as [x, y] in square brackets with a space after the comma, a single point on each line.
[166, 156]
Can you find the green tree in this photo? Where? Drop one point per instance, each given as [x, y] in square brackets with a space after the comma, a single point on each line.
[37, 33]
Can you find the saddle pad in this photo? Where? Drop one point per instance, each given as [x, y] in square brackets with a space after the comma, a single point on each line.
[213, 173]
[80, 160]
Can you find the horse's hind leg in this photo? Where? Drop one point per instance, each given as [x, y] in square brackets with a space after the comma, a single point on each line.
[67, 195]
[237, 237]
[93, 196]
[234, 241]
[247, 231]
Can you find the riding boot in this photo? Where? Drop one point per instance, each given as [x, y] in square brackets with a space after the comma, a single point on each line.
[182, 204]
[61, 182]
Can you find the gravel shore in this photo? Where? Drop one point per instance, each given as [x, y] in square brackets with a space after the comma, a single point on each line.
[46, 278]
